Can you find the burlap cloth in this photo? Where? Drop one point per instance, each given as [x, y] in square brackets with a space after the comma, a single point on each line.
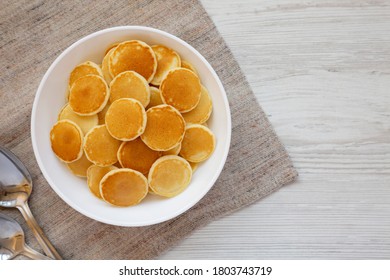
[34, 33]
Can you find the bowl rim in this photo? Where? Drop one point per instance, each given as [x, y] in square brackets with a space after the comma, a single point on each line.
[57, 190]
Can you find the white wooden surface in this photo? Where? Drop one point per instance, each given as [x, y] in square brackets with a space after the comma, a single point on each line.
[321, 71]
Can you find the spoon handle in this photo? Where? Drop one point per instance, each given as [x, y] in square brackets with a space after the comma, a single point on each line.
[47, 247]
[32, 254]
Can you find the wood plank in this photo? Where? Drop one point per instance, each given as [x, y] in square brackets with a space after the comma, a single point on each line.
[320, 70]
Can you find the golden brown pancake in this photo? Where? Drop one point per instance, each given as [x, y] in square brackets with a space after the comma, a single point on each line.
[202, 111]
[169, 176]
[80, 166]
[167, 59]
[136, 155]
[95, 174]
[100, 147]
[117, 164]
[123, 187]
[198, 143]
[105, 68]
[164, 129]
[130, 84]
[173, 152]
[88, 95]
[102, 114]
[189, 66]
[66, 140]
[110, 47]
[84, 69]
[133, 56]
[181, 89]
[155, 98]
[84, 122]
[126, 119]
[194, 166]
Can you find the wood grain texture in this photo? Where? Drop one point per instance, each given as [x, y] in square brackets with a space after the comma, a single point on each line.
[321, 72]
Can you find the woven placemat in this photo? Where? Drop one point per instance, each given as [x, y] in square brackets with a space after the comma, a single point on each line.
[34, 33]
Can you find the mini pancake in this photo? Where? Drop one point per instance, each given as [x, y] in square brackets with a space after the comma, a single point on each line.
[80, 166]
[67, 90]
[123, 187]
[105, 69]
[136, 155]
[66, 140]
[194, 166]
[167, 59]
[155, 98]
[102, 114]
[110, 47]
[164, 129]
[84, 122]
[88, 95]
[198, 143]
[181, 89]
[134, 56]
[130, 84]
[174, 151]
[169, 176]
[185, 64]
[84, 69]
[126, 119]
[95, 174]
[117, 164]
[100, 147]
[202, 111]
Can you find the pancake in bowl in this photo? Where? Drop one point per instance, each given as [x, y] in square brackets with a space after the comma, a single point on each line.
[167, 59]
[189, 66]
[88, 95]
[198, 143]
[128, 152]
[100, 147]
[169, 176]
[102, 114]
[130, 84]
[95, 174]
[105, 68]
[135, 56]
[181, 89]
[84, 69]
[80, 166]
[136, 155]
[155, 98]
[84, 122]
[174, 151]
[126, 119]
[164, 129]
[110, 47]
[123, 187]
[194, 166]
[66, 140]
[201, 113]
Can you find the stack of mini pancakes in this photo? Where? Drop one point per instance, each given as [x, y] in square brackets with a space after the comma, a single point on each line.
[136, 124]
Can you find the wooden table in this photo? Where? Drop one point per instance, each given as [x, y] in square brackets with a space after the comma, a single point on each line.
[321, 71]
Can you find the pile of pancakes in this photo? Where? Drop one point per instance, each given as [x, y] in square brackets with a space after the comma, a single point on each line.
[136, 124]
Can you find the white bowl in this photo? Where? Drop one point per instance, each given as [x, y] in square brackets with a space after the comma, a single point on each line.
[50, 97]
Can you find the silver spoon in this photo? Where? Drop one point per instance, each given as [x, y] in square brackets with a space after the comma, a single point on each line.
[12, 241]
[15, 189]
